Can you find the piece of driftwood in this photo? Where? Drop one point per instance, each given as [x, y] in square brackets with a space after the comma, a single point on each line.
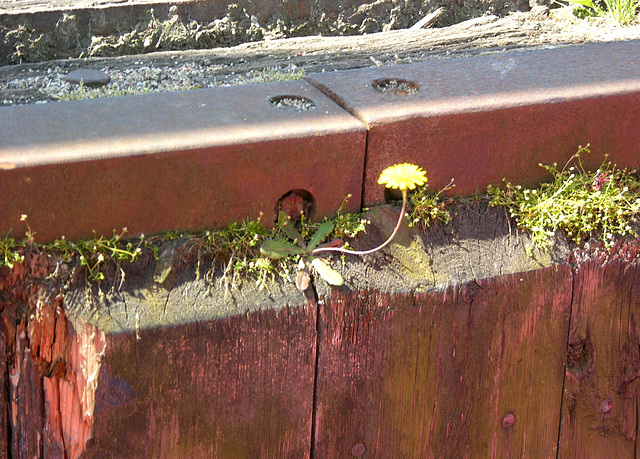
[429, 20]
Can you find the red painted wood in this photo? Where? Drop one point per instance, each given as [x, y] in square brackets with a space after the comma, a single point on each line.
[234, 388]
[481, 119]
[4, 397]
[433, 375]
[600, 411]
[475, 371]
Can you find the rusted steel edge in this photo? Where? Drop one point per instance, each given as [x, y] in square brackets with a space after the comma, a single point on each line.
[200, 159]
[479, 120]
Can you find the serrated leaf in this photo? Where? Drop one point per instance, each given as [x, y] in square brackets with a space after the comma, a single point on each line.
[285, 223]
[320, 235]
[329, 274]
[278, 249]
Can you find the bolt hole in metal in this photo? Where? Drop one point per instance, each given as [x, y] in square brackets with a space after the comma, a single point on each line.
[396, 86]
[295, 103]
[294, 203]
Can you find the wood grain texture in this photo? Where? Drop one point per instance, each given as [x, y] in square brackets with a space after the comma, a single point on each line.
[600, 411]
[433, 375]
[233, 388]
[4, 397]
[538, 363]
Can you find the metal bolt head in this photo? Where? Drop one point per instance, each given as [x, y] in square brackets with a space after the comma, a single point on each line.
[606, 405]
[357, 450]
[508, 420]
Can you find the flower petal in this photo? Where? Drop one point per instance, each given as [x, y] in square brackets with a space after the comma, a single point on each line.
[403, 176]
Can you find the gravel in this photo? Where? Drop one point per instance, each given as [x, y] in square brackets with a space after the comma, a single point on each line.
[43, 86]
[160, 72]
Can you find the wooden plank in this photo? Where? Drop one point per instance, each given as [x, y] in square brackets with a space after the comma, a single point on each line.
[4, 397]
[435, 374]
[599, 412]
[236, 387]
[25, 396]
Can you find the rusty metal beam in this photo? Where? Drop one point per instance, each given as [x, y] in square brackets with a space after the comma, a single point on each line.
[186, 160]
[201, 159]
[480, 119]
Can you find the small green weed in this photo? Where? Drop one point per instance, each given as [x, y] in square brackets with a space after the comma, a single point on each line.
[236, 249]
[580, 202]
[93, 253]
[345, 225]
[276, 249]
[622, 11]
[399, 176]
[342, 226]
[9, 253]
[427, 206]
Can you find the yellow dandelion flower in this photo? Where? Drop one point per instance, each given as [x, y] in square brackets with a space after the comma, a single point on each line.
[403, 176]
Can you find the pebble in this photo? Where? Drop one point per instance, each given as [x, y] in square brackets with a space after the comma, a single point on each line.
[88, 77]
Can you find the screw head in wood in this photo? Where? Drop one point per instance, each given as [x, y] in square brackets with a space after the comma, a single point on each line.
[508, 420]
[357, 450]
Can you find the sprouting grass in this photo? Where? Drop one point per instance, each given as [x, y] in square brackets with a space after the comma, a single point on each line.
[580, 202]
[622, 11]
[94, 253]
[10, 252]
[427, 206]
[235, 250]
[273, 74]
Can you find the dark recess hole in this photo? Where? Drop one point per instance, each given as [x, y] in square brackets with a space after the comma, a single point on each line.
[297, 103]
[579, 357]
[396, 86]
[294, 203]
[394, 195]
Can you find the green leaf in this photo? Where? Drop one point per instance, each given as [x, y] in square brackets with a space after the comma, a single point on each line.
[278, 249]
[285, 223]
[587, 3]
[329, 274]
[319, 235]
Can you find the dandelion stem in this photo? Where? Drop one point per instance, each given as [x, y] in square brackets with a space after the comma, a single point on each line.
[366, 252]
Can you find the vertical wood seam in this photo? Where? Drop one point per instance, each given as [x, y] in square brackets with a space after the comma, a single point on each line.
[573, 273]
[314, 403]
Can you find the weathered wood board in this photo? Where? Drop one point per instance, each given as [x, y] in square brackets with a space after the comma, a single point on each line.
[437, 374]
[235, 388]
[600, 405]
[427, 351]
